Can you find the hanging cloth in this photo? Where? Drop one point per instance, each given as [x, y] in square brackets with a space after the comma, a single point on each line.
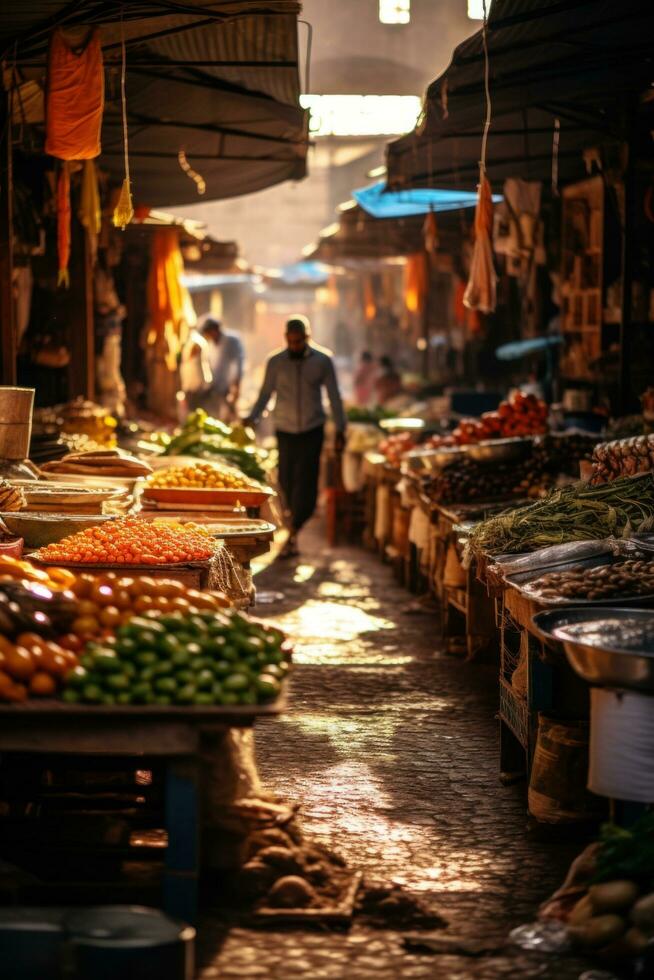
[63, 223]
[416, 282]
[430, 233]
[481, 291]
[74, 98]
[171, 312]
[89, 213]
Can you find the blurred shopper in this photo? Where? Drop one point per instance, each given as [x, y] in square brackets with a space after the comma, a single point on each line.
[297, 376]
[212, 369]
[388, 384]
[364, 380]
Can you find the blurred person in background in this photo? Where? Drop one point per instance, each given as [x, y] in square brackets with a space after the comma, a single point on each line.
[388, 384]
[364, 380]
[297, 375]
[212, 369]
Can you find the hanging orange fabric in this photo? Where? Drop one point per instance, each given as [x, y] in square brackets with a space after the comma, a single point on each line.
[416, 282]
[74, 98]
[63, 223]
[481, 291]
[369, 302]
[171, 312]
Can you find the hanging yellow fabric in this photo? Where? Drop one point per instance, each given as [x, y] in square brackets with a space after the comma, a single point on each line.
[90, 213]
[63, 223]
[74, 98]
[171, 312]
[416, 282]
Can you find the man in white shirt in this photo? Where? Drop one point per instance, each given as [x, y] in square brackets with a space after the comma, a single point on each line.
[212, 369]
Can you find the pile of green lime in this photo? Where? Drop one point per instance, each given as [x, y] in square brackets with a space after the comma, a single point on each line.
[206, 658]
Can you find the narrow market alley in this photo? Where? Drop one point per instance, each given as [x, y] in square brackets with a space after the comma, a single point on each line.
[391, 750]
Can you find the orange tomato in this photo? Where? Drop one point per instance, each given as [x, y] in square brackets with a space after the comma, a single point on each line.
[110, 616]
[42, 685]
[19, 664]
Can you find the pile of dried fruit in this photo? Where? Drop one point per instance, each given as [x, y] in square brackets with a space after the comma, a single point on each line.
[624, 457]
[621, 580]
[130, 541]
[201, 476]
[469, 480]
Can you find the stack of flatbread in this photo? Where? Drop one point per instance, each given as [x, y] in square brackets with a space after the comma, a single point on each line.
[108, 462]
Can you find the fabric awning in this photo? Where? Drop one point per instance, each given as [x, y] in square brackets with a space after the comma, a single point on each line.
[584, 63]
[216, 80]
[379, 202]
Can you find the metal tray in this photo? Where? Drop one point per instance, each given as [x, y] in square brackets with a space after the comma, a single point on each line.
[622, 655]
[521, 582]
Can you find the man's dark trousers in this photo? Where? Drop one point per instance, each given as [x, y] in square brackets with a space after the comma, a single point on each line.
[299, 470]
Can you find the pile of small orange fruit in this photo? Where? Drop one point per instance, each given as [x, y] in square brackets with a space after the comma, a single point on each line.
[200, 476]
[132, 541]
[108, 601]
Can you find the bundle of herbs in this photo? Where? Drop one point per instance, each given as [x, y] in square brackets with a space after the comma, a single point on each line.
[579, 512]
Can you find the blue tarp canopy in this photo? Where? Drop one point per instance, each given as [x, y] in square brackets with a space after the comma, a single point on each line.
[523, 348]
[381, 203]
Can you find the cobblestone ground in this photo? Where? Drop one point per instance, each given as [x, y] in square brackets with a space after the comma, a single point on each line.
[392, 751]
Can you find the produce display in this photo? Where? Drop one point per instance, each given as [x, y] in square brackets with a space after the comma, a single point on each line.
[79, 417]
[620, 580]
[131, 541]
[204, 476]
[469, 480]
[109, 462]
[369, 416]
[11, 498]
[579, 512]
[107, 601]
[209, 438]
[202, 658]
[607, 900]
[396, 446]
[520, 415]
[623, 457]
[31, 616]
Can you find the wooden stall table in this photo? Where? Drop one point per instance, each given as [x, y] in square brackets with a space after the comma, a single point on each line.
[533, 679]
[460, 590]
[174, 737]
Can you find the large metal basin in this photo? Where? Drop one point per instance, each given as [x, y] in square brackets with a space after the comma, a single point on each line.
[607, 647]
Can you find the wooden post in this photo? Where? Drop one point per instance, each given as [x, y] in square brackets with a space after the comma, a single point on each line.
[82, 335]
[7, 305]
[625, 394]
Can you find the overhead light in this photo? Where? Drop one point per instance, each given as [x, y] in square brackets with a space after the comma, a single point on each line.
[376, 173]
[361, 115]
[395, 11]
[476, 9]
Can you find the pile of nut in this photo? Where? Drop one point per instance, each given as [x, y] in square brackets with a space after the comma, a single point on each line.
[634, 577]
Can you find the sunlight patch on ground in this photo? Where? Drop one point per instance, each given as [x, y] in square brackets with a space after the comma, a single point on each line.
[303, 573]
[321, 619]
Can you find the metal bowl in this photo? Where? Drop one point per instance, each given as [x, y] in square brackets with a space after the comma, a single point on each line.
[609, 647]
[39, 530]
[500, 450]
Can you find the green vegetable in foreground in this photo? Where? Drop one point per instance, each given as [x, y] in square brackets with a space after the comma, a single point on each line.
[222, 658]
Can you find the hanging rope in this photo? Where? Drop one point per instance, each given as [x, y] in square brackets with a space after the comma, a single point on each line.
[199, 180]
[556, 136]
[124, 210]
[487, 123]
